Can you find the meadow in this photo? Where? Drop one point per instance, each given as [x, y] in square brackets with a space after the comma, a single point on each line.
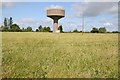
[60, 55]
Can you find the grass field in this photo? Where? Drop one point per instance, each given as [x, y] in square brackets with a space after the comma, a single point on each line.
[61, 55]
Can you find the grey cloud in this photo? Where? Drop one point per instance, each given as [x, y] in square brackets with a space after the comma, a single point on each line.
[91, 9]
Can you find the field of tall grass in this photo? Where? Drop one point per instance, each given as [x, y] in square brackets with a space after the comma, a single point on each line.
[60, 55]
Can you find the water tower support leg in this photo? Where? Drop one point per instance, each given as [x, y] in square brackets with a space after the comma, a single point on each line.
[55, 25]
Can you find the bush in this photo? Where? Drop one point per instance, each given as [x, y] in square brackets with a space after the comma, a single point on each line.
[102, 30]
[95, 30]
[60, 28]
[14, 28]
[75, 30]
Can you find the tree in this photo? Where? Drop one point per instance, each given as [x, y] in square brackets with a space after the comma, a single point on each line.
[10, 21]
[48, 29]
[5, 22]
[60, 28]
[14, 28]
[115, 31]
[75, 30]
[94, 30]
[102, 30]
[44, 29]
[23, 30]
[4, 28]
[40, 28]
[29, 29]
[37, 30]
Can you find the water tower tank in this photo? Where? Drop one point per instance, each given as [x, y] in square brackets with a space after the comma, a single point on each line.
[55, 14]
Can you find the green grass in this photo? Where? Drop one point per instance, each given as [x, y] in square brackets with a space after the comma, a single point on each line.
[61, 55]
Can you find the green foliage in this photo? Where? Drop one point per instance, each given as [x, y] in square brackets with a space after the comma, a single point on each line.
[47, 29]
[5, 22]
[15, 28]
[43, 29]
[29, 29]
[75, 30]
[60, 28]
[102, 30]
[95, 30]
[4, 28]
[40, 28]
[115, 32]
[10, 21]
[37, 30]
[23, 30]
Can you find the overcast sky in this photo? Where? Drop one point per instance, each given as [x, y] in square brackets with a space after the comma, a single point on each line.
[97, 14]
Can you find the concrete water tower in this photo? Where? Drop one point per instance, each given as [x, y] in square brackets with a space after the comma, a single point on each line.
[55, 14]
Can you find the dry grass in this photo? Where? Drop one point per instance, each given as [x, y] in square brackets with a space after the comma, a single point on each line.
[60, 55]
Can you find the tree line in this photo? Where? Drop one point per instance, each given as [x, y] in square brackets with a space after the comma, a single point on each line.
[10, 27]
[97, 30]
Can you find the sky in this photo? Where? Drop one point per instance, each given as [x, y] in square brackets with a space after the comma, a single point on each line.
[96, 14]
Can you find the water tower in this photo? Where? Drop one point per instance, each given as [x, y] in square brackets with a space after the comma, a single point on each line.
[55, 14]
